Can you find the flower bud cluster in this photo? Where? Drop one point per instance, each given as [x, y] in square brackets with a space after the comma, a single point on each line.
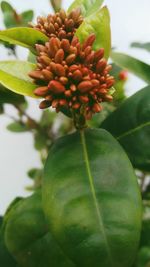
[72, 75]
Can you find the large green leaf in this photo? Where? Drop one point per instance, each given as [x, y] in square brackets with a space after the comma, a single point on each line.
[23, 36]
[6, 7]
[137, 67]
[14, 76]
[27, 236]
[91, 200]
[130, 124]
[98, 23]
[87, 7]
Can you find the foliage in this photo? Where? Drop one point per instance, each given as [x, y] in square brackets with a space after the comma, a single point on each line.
[85, 205]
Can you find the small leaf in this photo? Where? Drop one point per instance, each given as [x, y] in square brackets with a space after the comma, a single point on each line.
[6, 7]
[35, 173]
[23, 36]
[98, 23]
[145, 46]
[27, 17]
[91, 200]
[17, 127]
[14, 76]
[130, 124]
[87, 7]
[56, 4]
[137, 67]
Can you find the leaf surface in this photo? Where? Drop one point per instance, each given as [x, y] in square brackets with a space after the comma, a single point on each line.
[23, 36]
[137, 67]
[91, 200]
[27, 236]
[98, 23]
[14, 76]
[87, 7]
[130, 124]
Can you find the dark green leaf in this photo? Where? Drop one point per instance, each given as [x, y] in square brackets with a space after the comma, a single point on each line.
[137, 67]
[145, 46]
[6, 259]
[98, 23]
[23, 36]
[91, 200]
[144, 257]
[130, 124]
[17, 127]
[8, 97]
[27, 236]
[14, 76]
[87, 7]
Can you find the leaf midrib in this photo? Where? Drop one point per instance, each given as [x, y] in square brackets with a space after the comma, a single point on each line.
[91, 182]
[133, 130]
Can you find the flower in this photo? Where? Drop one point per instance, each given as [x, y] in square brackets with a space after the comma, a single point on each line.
[71, 75]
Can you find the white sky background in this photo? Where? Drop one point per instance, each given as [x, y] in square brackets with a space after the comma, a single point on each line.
[130, 21]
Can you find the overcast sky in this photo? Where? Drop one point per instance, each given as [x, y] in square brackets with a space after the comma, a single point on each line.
[130, 22]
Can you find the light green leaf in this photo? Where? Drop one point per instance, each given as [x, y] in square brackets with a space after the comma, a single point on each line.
[27, 17]
[17, 127]
[130, 124]
[14, 76]
[87, 7]
[137, 67]
[98, 23]
[91, 200]
[23, 36]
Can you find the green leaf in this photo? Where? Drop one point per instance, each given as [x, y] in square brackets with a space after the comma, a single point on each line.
[8, 97]
[98, 23]
[27, 17]
[27, 236]
[17, 127]
[6, 7]
[87, 7]
[91, 200]
[137, 67]
[14, 76]
[23, 36]
[130, 124]
[145, 46]
[6, 259]
[56, 4]
[144, 257]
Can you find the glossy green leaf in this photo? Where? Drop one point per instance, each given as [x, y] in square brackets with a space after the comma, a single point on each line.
[91, 200]
[130, 124]
[17, 127]
[14, 76]
[133, 65]
[98, 23]
[27, 236]
[87, 7]
[145, 46]
[23, 36]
